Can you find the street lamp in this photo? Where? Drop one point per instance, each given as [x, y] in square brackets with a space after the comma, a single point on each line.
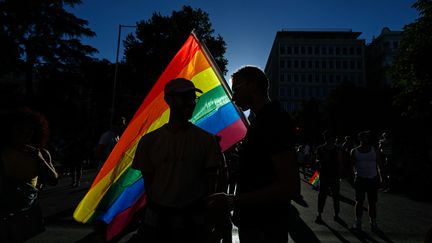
[116, 69]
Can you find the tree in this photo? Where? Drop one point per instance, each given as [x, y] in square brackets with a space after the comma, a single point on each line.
[41, 32]
[412, 70]
[158, 39]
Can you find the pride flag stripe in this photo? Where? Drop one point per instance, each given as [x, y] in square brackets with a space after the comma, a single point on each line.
[220, 119]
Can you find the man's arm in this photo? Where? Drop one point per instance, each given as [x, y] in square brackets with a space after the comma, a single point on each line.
[285, 187]
[353, 161]
[379, 164]
[142, 164]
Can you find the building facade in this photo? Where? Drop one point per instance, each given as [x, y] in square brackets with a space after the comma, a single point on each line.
[306, 64]
[380, 56]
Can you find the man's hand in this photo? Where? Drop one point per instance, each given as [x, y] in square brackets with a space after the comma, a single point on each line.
[221, 201]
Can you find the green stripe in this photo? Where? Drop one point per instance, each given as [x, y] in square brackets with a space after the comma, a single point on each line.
[209, 102]
[129, 177]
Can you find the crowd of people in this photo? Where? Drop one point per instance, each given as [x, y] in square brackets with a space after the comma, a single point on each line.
[194, 191]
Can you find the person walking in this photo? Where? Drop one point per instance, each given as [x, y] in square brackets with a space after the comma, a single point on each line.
[328, 157]
[268, 172]
[367, 166]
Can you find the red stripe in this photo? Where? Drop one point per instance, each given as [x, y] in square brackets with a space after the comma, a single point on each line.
[232, 134]
[123, 219]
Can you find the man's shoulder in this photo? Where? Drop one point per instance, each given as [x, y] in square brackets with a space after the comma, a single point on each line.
[201, 132]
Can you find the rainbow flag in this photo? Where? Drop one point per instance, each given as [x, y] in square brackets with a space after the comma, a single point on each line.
[118, 190]
[314, 179]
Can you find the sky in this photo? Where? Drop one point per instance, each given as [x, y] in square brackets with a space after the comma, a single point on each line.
[248, 27]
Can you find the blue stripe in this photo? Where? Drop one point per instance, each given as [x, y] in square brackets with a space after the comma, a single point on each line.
[126, 199]
[220, 119]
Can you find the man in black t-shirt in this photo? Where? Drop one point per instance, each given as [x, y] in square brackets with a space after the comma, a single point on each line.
[268, 174]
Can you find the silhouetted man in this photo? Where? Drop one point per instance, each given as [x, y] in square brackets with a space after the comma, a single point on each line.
[179, 163]
[268, 173]
[367, 165]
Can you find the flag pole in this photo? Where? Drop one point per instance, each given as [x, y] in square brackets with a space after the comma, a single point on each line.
[219, 75]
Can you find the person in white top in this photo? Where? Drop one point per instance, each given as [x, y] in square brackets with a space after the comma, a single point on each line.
[367, 166]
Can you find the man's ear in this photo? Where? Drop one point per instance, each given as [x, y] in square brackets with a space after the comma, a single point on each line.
[168, 99]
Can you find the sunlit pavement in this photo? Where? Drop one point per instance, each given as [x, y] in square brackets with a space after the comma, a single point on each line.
[400, 218]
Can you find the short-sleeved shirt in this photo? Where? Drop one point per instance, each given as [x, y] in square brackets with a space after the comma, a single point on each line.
[270, 132]
[328, 160]
[109, 139]
[180, 162]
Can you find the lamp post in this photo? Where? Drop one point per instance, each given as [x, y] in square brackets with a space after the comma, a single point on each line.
[116, 69]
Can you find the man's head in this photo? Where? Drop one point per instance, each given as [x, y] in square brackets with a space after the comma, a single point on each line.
[180, 95]
[364, 137]
[248, 82]
[328, 136]
[119, 124]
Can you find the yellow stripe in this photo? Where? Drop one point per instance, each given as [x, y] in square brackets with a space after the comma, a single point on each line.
[159, 122]
[206, 80]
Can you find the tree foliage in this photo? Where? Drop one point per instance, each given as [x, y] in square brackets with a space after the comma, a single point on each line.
[41, 32]
[412, 68]
[158, 39]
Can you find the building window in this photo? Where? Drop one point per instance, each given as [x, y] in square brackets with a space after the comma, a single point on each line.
[282, 92]
[310, 78]
[303, 50]
[296, 64]
[351, 50]
[331, 78]
[296, 50]
[289, 50]
[296, 78]
[324, 50]
[310, 50]
[282, 50]
[323, 64]
[302, 64]
[288, 77]
[324, 78]
[302, 92]
[317, 64]
[359, 64]
[282, 77]
[288, 64]
[337, 50]
[359, 51]
[282, 63]
[317, 49]
[395, 44]
[338, 79]
[295, 92]
[344, 51]
[310, 65]
[317, 78]
[330, 50]
[352, 64]
[331, 64]
[338, 64]
[345, 64]
[303, 78]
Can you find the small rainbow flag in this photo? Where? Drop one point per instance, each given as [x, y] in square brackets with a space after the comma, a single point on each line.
[118, 190]
[314, 179]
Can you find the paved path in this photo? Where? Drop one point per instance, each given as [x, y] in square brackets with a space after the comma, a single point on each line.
[400, 218]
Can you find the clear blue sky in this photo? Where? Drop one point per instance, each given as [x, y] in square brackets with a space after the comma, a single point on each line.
[248, 27]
